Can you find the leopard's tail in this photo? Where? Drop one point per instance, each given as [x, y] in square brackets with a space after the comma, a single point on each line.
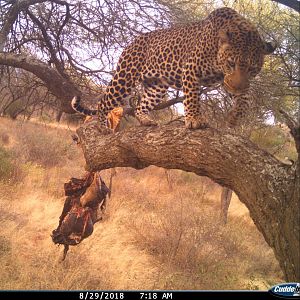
[85, 111]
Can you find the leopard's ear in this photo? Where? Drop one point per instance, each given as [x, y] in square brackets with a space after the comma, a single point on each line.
[225, 36]
[269, 48]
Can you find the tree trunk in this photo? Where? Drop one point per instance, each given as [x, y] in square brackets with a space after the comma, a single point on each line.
[58, 116]
[269, 188]
[225, 202]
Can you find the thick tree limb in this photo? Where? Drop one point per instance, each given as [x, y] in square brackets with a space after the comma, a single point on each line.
[62, 88]
[268, 188]
[192, 149]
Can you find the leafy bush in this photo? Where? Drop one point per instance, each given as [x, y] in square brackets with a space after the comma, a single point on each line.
[14, 109]
[268, 138]
[276, 141]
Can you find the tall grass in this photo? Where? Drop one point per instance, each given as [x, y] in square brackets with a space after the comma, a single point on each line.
[44, 146]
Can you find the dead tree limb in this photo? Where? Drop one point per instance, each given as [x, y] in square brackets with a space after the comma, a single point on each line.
[269, 188]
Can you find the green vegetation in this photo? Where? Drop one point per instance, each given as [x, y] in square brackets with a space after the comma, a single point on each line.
[275, 140]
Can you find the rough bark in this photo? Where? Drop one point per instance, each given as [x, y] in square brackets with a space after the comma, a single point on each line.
[62, 88]
[269, 188]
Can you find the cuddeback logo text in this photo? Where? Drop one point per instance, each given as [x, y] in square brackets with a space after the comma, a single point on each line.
[286, 290]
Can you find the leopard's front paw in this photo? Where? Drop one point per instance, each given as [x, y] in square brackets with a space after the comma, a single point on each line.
[198, 122]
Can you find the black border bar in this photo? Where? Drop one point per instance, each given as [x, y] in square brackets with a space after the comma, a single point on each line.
[138, 295]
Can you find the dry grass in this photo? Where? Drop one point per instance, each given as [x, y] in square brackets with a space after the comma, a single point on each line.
[160, 232]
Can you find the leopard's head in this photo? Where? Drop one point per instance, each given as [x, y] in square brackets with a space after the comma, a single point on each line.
[241, 56]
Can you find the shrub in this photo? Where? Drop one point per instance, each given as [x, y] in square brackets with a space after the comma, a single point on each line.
[276, 141]
[268, 138]
[15, 109]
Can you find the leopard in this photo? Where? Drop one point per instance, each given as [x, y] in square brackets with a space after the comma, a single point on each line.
[224, 49]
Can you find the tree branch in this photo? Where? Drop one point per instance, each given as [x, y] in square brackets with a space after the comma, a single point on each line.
[168, 103]
[47, 40]
[11, 17]
[62, 88]
[193, 151]
[131, 111]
